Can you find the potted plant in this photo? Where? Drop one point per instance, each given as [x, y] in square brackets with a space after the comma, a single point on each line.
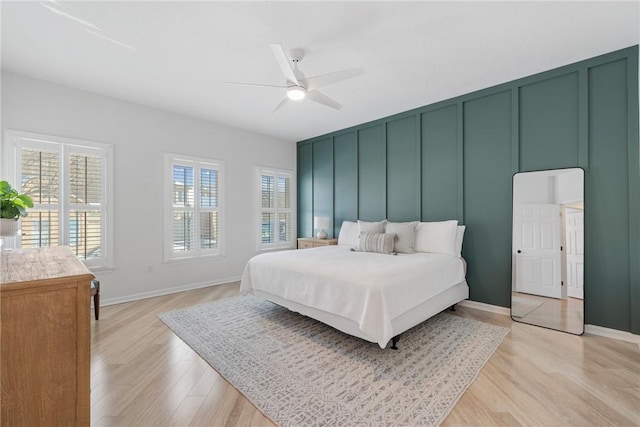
[13, 206]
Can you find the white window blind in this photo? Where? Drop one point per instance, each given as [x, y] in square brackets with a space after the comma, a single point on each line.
[85, 205]
[194, 189]
[39, 176]
[67, 181]
[275, 215]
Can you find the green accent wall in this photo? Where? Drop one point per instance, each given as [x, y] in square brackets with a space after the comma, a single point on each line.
[548, 123]
[345, 172]
[305, 190]
[487, 197]
[439, 155]
[403, 169]
[372, 176]
[455, 160]
[607, 196]
[322, 173]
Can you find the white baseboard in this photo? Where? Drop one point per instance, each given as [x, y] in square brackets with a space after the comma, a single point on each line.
[612, 333]
[166, 291]
[486, 307]
[588, 329]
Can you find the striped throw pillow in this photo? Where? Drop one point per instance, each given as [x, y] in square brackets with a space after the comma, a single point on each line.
[376, 242]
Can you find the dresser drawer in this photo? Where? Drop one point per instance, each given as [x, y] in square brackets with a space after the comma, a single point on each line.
[312, 242]
[302, 244]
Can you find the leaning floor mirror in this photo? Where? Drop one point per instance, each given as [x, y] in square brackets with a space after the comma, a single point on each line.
[548, 249]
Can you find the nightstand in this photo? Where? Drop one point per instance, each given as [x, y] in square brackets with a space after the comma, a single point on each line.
[314, 242]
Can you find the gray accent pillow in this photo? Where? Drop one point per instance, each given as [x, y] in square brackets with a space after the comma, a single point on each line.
[376, 242]
[372, 226]
[406, 231]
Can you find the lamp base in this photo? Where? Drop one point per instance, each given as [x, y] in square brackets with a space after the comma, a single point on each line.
[322, 234]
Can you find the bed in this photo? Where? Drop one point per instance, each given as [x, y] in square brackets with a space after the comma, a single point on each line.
[370, 295]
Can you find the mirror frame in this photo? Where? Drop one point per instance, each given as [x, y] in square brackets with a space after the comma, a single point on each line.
[563, 256]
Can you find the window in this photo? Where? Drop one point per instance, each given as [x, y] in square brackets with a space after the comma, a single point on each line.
[68, 181]
[193, 225]
[276, 207]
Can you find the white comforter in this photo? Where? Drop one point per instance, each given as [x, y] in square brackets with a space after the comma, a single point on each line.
[370, 289]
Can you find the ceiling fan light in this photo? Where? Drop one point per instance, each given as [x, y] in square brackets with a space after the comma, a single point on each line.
[296, 93]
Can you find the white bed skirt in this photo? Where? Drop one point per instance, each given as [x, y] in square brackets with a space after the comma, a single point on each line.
[406, 321]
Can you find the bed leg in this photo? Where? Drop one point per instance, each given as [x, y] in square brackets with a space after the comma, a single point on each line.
[394, 341]
[453, 307]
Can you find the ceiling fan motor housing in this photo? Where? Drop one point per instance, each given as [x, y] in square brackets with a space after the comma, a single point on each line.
[296, 55]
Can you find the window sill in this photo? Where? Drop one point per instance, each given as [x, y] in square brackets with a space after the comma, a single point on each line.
[275, 249]
[192, 260]
[102, 270]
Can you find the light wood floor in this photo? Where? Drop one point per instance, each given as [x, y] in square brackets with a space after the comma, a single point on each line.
[143, 375]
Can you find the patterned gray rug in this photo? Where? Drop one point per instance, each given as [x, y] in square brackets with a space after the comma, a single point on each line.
[300, 372]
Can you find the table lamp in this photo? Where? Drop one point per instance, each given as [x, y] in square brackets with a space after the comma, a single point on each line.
[322, 223]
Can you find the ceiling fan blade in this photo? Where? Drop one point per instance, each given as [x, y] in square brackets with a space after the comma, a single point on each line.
[320, 98]
[284, 101]
[284, 63]
[327, 79]
[254, 84]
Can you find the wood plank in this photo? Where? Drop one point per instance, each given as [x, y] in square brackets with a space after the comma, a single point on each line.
[28, 266]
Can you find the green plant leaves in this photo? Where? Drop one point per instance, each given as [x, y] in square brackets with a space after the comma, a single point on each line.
[26, 200]
[9, 212]
[13, 204]
[5, 187]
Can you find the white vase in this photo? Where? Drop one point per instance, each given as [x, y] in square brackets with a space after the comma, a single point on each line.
[9, 227]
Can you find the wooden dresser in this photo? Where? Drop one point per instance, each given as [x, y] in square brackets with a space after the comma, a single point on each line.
[314, 242]
[45, 336]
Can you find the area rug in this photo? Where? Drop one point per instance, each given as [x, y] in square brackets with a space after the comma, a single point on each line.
[521, 306]
[300, 372]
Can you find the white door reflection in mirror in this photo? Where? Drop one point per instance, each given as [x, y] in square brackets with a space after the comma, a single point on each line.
[547, 252]
[574, 220]
[537, 243]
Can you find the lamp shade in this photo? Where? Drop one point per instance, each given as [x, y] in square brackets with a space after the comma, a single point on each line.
[321, 222]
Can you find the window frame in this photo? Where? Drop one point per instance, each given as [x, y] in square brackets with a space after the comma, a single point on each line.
[64, 147]
[276, 173]
[198, 163]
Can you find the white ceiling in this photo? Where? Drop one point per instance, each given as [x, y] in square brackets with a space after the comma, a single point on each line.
[414, 53]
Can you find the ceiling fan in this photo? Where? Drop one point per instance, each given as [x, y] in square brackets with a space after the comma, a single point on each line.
[298, 86]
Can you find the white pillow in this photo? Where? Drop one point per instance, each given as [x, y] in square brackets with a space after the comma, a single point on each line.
[349, 235]
[372, 227]
[459, 236]
[406, 231]
[437, 237]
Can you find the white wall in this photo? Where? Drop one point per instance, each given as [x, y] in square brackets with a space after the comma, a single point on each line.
[533, 187]
[140, 135]
[570, 187]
